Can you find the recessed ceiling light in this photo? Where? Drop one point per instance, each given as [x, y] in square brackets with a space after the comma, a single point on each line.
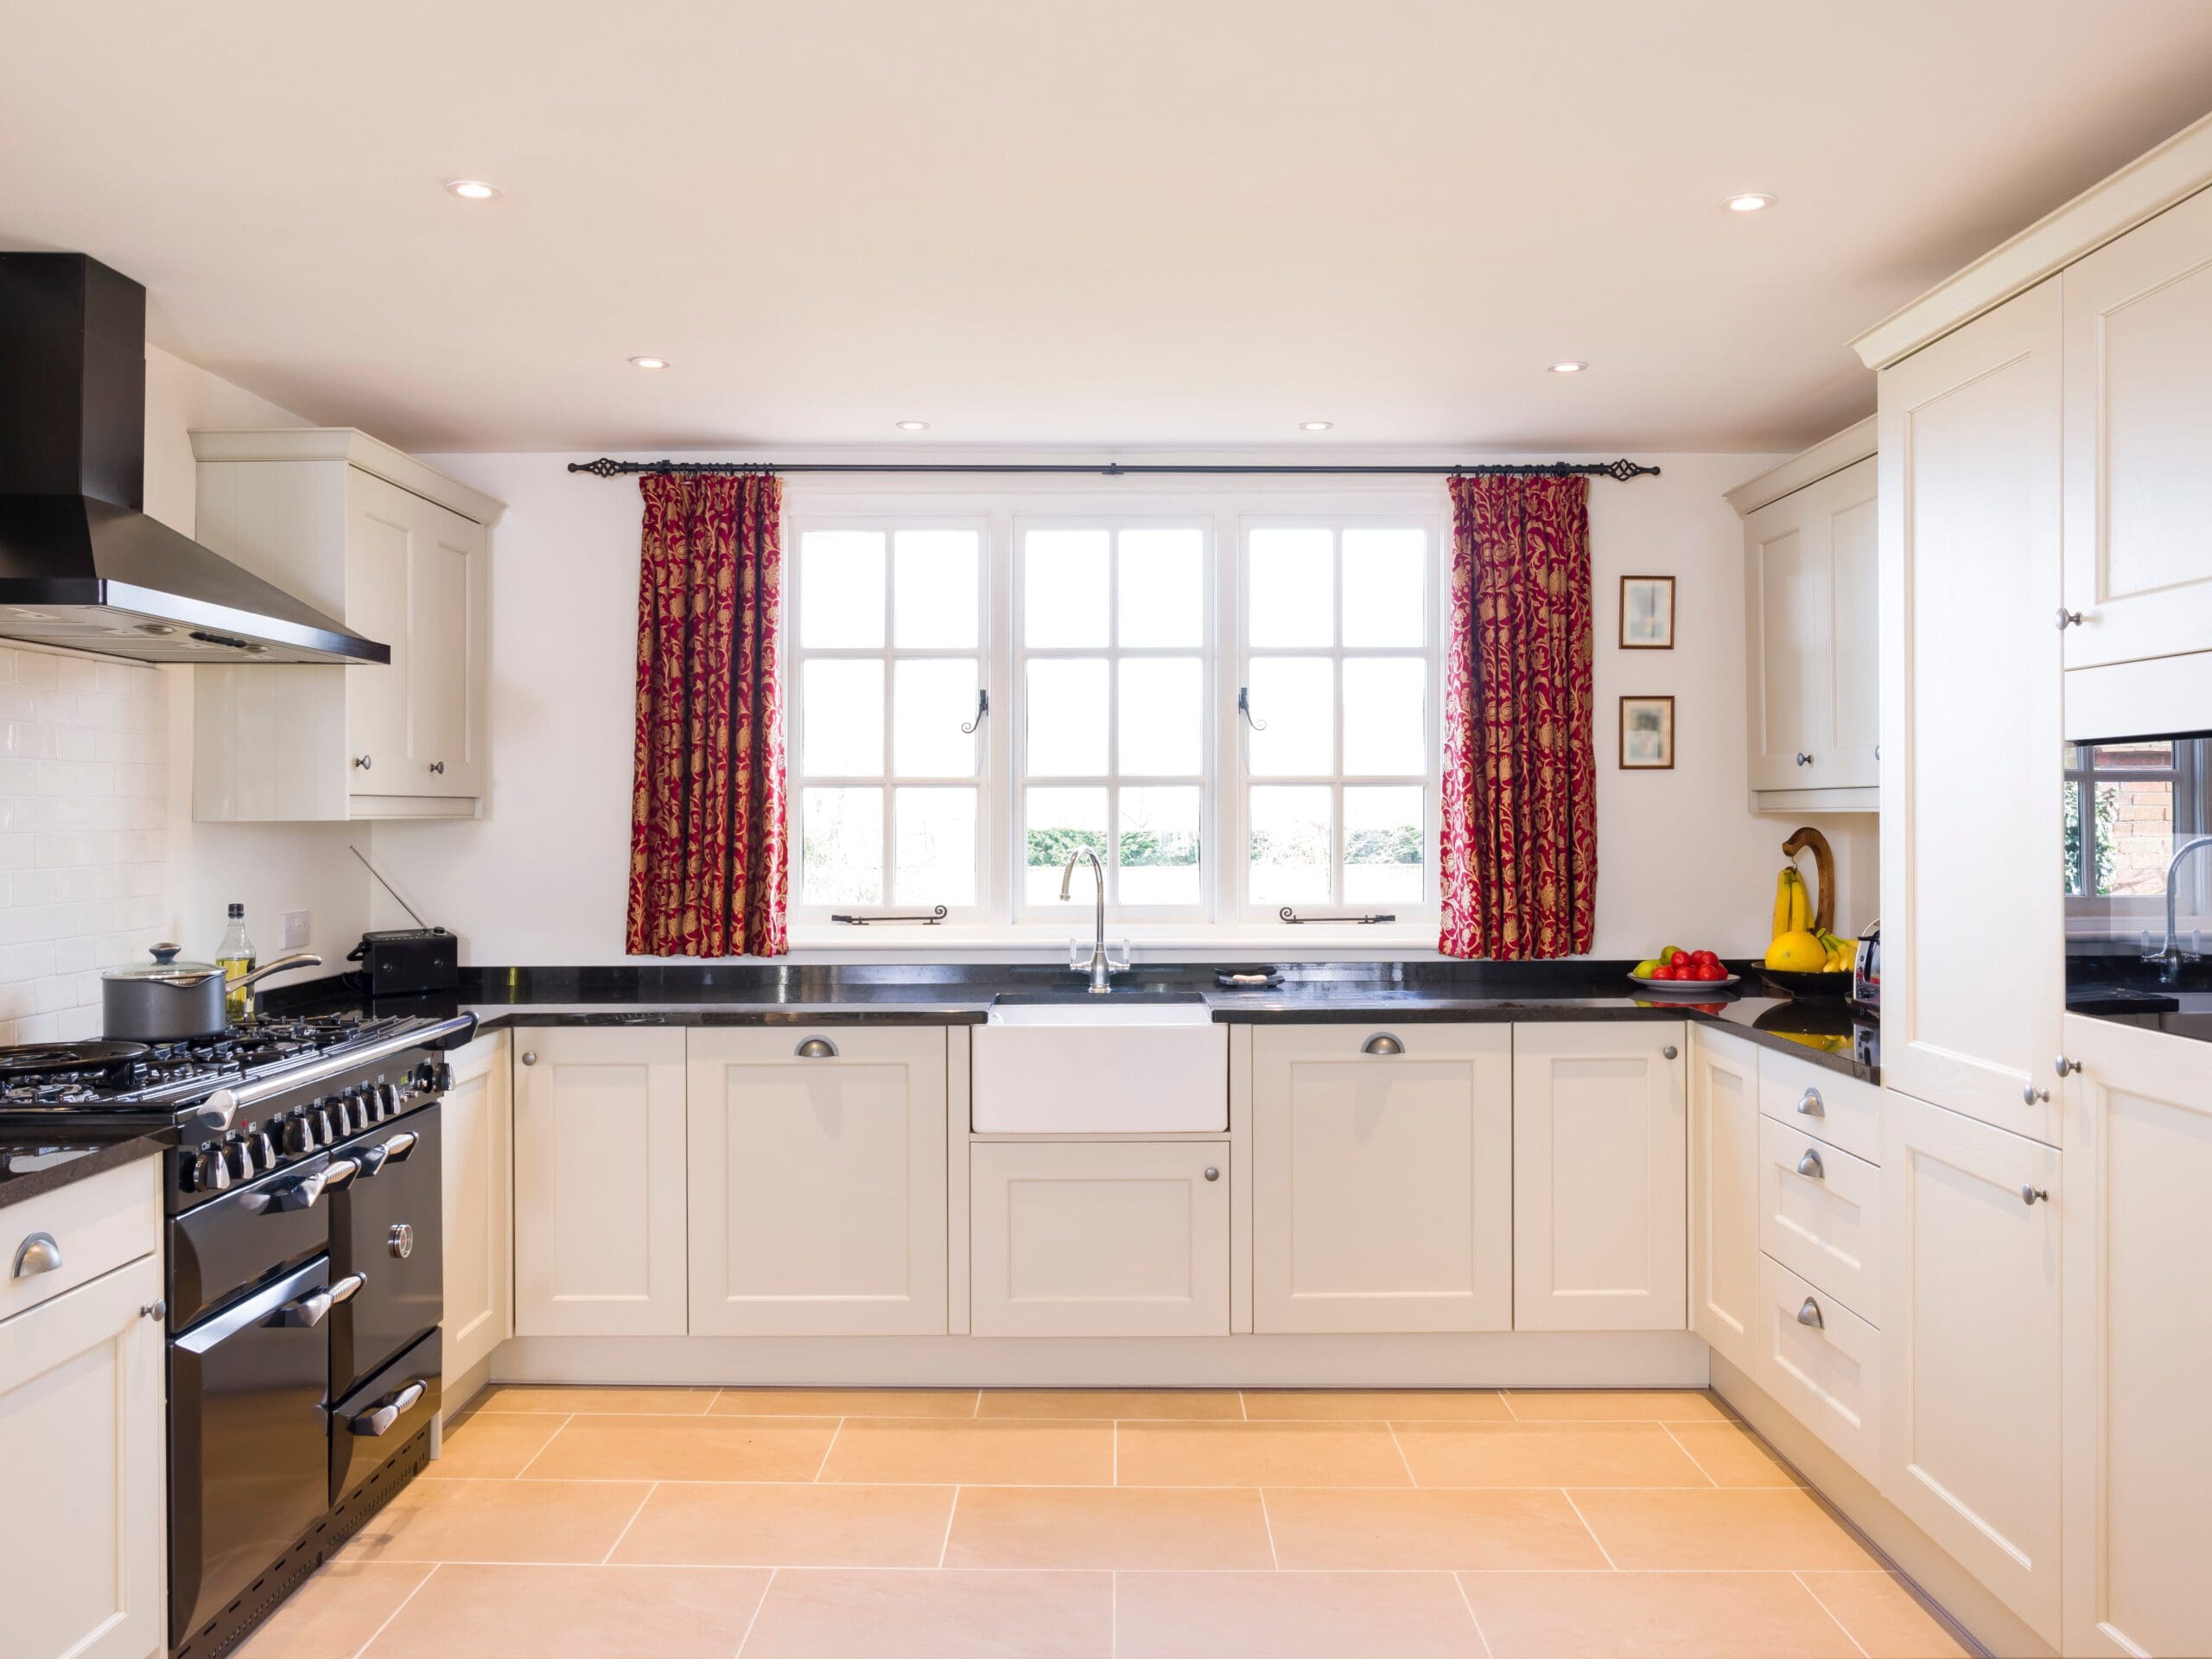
[1568, 368]
[650, 362]
[911, 426]
[1750, 201]
[472, 189]
[1315, 426]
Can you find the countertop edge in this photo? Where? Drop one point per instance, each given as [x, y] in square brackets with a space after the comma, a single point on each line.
[127, 1147]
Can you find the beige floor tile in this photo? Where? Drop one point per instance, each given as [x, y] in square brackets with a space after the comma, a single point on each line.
[1258, 1454]
[1547, 1454]
[500, 1521]
[845, 1402]
[1185, 1403]
[685, 1448]
[1108, 1527]
[704, 1524]
[1376, 1405]
[1652, 1615]
[334, 1612]
[975, 1453]
[1717, 1531]
[494, 1446]
[936, 1616]
[1614, 1406]
[1882, 1615]
[632, 1403]
[1292, 1615]
[1733, 1455]
[1395, 1530]
[574, 1612]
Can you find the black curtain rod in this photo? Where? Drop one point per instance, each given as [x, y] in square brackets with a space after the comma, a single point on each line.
[1623, 470]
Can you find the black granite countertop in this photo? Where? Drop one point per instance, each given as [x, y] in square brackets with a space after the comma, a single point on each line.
[37, 1160]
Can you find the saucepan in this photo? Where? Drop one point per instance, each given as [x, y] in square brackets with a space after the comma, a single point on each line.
[166, 1001]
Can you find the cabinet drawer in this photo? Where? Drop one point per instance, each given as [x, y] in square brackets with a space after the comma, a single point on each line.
[1819, 1215]
[92, 1225]
[1823, 1363]
[1842, 1111]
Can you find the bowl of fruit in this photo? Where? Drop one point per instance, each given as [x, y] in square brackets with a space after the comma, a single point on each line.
[1675, 970]
[1804, 959]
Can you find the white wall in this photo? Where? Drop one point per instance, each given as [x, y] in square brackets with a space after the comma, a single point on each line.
[542, 878]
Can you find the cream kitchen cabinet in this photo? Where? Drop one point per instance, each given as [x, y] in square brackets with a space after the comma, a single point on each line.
[402, 554]
[2139, 425]
[1971, 1358]
[817, 1181]
[1724, 1193]
[1973, 938]
[1600, 1185]
[1383, 1178]
[2139, 1342]
[1810, 597]
[478, 1126]
[599, 1183]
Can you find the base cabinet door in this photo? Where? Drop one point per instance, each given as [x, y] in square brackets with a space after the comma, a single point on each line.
[599, 1182]
[2138, 1342]
[1601, 1180]
[1970, 1347]
[1383, 1178]
[1724, 1194]
[817, 1182]
[1122, 1238]
[83, 1477]
[478, 1167]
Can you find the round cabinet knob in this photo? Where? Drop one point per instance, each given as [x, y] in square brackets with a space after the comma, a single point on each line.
[361, 762]
[2068, 619]
[154, 1311]
[438, 766]
[1382, 1043]
[2065, 1067]
[2029, 1194]
[816, 1048]
[1671, 1051]
[1212, 1172]
[529, 1057]
[2030, 1095]
[1804, 760]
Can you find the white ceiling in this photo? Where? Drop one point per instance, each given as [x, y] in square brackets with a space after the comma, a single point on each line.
[1035, 222]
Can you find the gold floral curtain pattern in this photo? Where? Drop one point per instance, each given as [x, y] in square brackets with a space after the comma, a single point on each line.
[1518, 860]
[707, 853]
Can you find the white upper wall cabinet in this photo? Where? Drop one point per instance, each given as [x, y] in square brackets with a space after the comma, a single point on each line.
[402, 554]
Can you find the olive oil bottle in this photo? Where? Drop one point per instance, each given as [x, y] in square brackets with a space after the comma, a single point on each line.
[235, 957]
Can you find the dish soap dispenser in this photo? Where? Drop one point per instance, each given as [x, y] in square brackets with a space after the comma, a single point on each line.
[235, 957]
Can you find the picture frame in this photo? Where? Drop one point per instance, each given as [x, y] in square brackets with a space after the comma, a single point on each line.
[1647, 734]
[1647, 612]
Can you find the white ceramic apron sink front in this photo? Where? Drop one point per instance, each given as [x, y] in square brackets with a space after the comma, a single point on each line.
[1100, 1068]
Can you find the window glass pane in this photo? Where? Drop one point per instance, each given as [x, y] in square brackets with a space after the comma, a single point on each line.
[840, 588]
[1160, 716]
[841, 854]
[935, 834]
[1383, 845]
[1161, 579]
[1056, 822]
[1290, 843]
[1158, 845]
[1067, 716]
[1289, 577]
[932, 698]
[935, 602]
[1383, 724]
[2072, 808]
[1295, 699]
[2135, 835]
[1382, 586]
[844, 703]
[1063, 588]
[2131, 757]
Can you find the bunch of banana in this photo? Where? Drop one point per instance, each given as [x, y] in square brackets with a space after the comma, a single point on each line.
[1797, 947]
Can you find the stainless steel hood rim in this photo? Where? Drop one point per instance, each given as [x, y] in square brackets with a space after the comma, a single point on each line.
[195, 631]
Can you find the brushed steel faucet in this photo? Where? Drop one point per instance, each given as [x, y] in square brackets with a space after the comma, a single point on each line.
[1102, 967]
[2171, 952]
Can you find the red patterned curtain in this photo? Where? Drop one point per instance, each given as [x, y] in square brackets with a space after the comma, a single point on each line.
[1519, 859]
[707, 853]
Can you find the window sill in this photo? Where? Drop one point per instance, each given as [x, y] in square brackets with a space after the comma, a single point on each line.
[1262, 941]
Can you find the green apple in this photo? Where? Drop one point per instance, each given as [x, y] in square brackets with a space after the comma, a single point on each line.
[1670, 952]
[1646, 968]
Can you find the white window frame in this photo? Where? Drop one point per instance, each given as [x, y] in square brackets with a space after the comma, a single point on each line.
[2090, 915]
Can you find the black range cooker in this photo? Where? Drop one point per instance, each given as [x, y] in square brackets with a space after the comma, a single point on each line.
[305, 1277]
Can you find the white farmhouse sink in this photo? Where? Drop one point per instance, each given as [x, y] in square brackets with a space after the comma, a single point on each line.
[1101, 1066]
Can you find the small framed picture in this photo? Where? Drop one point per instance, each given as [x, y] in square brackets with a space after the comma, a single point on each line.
[1647, 734]
[1647, 612]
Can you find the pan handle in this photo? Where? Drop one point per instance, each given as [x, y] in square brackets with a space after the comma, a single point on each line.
[282, 964]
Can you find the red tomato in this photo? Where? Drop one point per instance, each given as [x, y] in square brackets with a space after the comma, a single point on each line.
[1704, 958]
[1711, 971]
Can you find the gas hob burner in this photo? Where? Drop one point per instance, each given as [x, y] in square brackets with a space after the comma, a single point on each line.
[32, 1058]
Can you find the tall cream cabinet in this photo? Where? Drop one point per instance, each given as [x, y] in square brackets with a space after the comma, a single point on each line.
[478, 1162]
[1601, 1177]
[1724, 1193]
[817, 1180]
[1810, 587]
[1383, 1178]
[402, 554]
[600, 1182]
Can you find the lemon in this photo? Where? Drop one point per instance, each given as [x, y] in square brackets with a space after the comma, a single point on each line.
[1797, 953]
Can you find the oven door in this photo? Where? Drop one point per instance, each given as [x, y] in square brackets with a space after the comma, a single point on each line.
[249, 1442]
[232, 1244]
[385, 1225]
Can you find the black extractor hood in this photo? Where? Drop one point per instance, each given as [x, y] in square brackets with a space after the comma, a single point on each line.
[81, 562]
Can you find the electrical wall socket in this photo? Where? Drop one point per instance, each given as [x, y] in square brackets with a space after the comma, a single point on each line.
[295, 930]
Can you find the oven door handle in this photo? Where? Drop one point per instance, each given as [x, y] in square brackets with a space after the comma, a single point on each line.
[380, 1421]
[400, 1145]
[372, 1158]
[302, 1194]
[341, 1172]
[308, 1310]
